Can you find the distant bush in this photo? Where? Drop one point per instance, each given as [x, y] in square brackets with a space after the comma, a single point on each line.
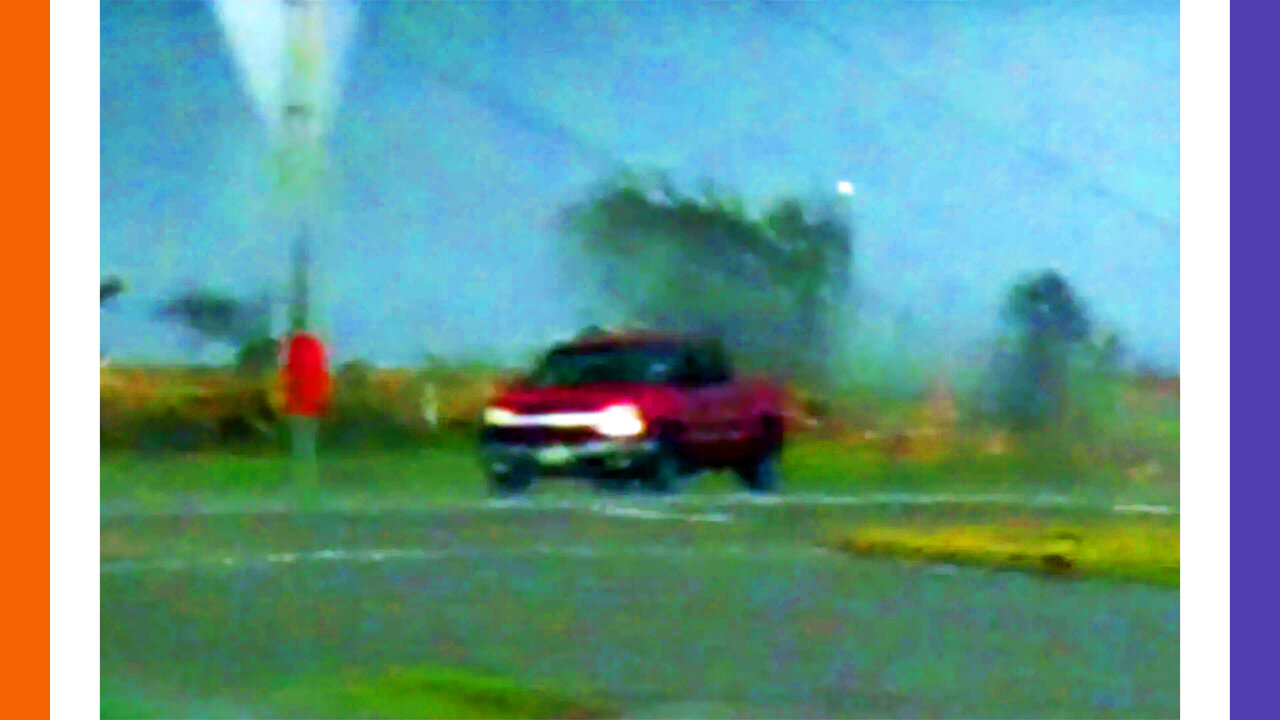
[258, 356]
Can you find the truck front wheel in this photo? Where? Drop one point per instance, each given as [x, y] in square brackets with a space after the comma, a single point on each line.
[513, 480]
[664, 470]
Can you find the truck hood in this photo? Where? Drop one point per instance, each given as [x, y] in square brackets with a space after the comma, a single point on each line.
[582, 398]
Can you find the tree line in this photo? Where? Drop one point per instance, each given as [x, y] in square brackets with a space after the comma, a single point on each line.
[776, 287]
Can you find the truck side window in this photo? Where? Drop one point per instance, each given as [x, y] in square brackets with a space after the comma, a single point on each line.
[688, 369]
[718, 362]
[713, 365]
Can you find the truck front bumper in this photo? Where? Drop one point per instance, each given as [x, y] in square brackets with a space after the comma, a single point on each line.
[586, 459]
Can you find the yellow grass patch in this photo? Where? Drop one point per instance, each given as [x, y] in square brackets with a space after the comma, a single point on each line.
[1141, 552]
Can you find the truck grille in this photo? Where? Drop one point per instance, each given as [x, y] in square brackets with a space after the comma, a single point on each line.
[540, 435]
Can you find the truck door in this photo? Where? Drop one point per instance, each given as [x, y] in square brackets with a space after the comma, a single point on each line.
[688, 377]
[716, 402]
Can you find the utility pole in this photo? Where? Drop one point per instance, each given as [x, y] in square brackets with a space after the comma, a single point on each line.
[302, 162]
[301, 174]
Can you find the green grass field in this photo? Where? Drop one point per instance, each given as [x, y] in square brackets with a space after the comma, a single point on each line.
[392, 693]
[448, 470]
[434, 692]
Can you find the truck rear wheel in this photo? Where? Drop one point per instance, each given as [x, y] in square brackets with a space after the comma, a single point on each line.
[761, 472]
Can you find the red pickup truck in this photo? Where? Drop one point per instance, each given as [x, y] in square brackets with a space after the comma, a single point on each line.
[632, 407]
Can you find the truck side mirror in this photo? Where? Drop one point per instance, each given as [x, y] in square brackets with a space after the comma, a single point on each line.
[688, 377]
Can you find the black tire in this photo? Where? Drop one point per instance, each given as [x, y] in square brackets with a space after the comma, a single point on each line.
[761, 473]
[515, 480]
[612, 484]
[663, 472]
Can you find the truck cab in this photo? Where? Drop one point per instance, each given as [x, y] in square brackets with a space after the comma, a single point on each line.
[624, 408]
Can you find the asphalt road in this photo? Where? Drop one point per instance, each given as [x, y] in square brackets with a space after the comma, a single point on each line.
[680, 609]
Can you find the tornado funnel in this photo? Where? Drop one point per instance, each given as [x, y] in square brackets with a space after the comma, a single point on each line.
[280, 63]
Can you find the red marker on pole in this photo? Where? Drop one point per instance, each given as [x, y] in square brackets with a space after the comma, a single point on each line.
[307, 388]
[306, 372]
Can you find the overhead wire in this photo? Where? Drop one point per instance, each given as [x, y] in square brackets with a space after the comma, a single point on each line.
[1045, 159]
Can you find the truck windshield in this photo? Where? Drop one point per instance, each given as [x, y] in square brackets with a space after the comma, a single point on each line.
[622, 363]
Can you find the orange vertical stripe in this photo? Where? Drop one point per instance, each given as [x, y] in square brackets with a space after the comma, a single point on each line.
[24, 361]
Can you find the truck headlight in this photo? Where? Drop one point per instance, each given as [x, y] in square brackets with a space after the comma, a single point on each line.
[620, 421]
[498, 416]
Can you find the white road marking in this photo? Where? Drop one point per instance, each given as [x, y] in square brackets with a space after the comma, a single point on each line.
[1147, 509]
[810, 500]
[637, 509]
[663, 507]
[612, 510]
[377, 555]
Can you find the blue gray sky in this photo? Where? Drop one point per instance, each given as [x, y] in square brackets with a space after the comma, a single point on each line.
[985, 139]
